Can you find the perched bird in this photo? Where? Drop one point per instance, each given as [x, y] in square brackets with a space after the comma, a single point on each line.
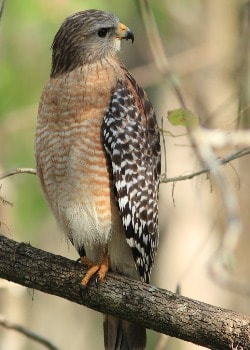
[97, 154]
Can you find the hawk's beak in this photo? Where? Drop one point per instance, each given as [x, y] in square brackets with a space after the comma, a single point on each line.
[125, 33]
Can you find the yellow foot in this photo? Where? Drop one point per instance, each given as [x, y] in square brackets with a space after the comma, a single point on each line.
[100, 268]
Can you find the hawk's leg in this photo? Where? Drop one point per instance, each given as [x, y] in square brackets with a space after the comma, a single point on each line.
[104, 266]
[100, 268]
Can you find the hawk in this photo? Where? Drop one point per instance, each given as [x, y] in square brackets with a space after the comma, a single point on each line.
[97, 154]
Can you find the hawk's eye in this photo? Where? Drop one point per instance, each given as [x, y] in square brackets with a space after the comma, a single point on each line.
[103, 32]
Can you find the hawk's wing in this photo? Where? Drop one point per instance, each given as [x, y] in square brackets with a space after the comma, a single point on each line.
[132, 142]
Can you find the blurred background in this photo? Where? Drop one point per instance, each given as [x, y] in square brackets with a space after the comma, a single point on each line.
[203, 42]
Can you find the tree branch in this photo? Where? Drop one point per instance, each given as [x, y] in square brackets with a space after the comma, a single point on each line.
[137, 302]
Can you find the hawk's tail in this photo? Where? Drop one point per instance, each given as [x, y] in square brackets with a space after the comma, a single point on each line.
[123, 335]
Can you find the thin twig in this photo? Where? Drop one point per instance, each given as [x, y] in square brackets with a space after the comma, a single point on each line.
[222, 161]
[17, 171]
[28, 333]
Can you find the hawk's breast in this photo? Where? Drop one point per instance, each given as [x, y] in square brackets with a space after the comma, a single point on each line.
[71, 159]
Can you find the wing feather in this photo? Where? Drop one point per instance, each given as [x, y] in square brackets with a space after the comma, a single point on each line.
[132, 142]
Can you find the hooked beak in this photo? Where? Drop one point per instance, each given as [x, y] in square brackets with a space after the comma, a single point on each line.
[125, 33]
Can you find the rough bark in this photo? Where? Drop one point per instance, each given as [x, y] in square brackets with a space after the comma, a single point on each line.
[155, 308]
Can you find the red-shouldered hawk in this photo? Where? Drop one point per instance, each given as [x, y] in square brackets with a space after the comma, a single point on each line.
[98, 157]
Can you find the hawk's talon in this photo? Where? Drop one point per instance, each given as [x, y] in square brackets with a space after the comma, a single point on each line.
[93, 269]
[100, 268]
[97, 281]
[104, 266]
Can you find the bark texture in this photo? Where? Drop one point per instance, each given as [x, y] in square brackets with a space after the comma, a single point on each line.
[154, 308]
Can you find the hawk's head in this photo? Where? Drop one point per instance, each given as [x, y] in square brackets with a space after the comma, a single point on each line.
[86, 37]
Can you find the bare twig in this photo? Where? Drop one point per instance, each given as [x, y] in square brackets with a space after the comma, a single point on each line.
[28, 333]
[17, 171]
[233, 156]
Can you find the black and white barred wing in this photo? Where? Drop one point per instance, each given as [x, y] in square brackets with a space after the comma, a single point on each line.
[132, 142]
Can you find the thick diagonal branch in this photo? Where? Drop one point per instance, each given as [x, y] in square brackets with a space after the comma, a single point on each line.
[152, 307]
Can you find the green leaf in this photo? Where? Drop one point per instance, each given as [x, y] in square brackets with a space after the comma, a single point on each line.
[183, 117]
